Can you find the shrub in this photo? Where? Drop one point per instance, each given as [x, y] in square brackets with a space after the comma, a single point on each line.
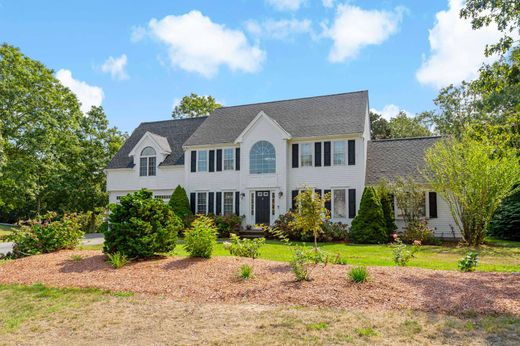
[469, 262]
[300, 264]
[369, 227]
[330, 231]
[141, 226]
[45, 234]
[246, 271]
[386, 197]
[117, 260]
[76, 258]
[245, 247]
[403, 253]
[418, 230]
[227, 224]
[201, 238]
[358, 274]
[505, 224]
[180, 204]
[333, 231]
[284, 224]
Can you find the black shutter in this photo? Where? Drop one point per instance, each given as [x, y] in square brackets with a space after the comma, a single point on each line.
[351, 203]
[328, 204]
[295, 155]
[294, 193]
[326, 153]
[237, 202]
[211, 202]
[237, 159]
[432, 198]
[194, 161]
[219, 160]
[351, 152]
[318, 192]
[218, 209]
[192, 202]
[317, 154]
[212, 160]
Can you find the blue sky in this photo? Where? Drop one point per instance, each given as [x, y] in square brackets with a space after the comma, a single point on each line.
[138, 59]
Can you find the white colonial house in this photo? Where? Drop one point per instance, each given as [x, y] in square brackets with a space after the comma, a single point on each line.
[253, 159]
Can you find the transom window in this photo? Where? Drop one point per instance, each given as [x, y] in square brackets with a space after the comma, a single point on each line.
[262, 158]
[306, 155]
[339, 153]
[229, 161]
[228, 203]
[202, 161]
[147, 162]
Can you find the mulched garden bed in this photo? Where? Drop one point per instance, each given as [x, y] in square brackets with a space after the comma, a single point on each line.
[215, 280]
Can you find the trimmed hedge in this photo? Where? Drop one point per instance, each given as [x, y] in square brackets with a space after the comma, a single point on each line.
[369, 226]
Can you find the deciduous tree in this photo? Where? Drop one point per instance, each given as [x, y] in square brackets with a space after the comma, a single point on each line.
[193, 106]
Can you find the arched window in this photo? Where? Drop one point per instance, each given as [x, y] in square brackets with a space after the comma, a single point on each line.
[262, 158]
[147, 163]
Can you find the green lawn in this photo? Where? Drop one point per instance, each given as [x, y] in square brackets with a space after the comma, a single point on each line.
[501, 256]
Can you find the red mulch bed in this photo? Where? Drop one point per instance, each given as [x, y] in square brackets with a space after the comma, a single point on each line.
[215, 280]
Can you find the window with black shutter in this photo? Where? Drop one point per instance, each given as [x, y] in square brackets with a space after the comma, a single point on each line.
[295, 155]
[328, 204]
[294, 193]
[317, 154]
[211, 202]
[237, 159]
[192, 202]
[432, 199]
[326, 154]
[351, 203]
[212, 160]
[351, 152]
[218, 207]
[237, 203]
[219, 160]
[193, 160]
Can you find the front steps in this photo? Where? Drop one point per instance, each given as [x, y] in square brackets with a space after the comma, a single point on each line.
[251, 233]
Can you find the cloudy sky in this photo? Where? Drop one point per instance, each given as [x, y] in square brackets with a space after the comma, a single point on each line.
[138, 60]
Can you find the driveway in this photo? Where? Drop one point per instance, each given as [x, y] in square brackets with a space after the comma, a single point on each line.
[89, 239]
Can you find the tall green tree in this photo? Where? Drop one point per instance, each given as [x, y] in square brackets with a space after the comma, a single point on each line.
[403, 126]
[193, 106]
[369, 225]
[379, 128]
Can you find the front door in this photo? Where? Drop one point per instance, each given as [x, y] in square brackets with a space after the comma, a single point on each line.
[262, 207]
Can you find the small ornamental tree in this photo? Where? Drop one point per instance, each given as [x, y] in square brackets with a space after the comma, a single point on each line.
[180, 204]
[141, 226]
[369, 224]
[310, 212]
[473, 177]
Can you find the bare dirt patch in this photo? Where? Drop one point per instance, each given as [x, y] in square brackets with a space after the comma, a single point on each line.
[214, 281]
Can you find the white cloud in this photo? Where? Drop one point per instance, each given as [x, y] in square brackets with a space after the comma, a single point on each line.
[286, 5]
[328, 3]
[197, 44]
[138, 33]
[457, 51]
[390, 111]
[116, 67]
[354, 28]
[279, 29]
[88, 95]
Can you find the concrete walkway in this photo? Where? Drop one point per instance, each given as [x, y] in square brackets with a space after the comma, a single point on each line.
[89, 239]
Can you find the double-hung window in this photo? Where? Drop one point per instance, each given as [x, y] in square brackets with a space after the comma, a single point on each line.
[339, 153]
[147, 162]
[202, 161]
[229, 160]
[306, 155]
[340, 204]
[228, 203]
[202, 203]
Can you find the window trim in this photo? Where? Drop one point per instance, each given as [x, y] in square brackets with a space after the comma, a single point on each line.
[333, 204]
[147, 167]
[334, 153]
[250, 159]
[224, 159]
[232, 192]
[197, 202]
[300, 154]
[206, 160]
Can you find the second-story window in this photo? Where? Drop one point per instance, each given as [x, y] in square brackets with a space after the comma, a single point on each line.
[147, 162]
[262, 158]
[202, 161]
[306, 155]
[339, 153]
[229, 161]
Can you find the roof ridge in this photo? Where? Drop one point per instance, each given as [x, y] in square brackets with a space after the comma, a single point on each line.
[405, 138]
[295, 99]
[172, 120]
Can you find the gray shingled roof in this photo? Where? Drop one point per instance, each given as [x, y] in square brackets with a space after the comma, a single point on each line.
[391, 158]
[304, 117]
[176, 131]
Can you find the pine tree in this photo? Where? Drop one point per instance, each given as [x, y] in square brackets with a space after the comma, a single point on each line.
[369, 225]
[180, 204]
